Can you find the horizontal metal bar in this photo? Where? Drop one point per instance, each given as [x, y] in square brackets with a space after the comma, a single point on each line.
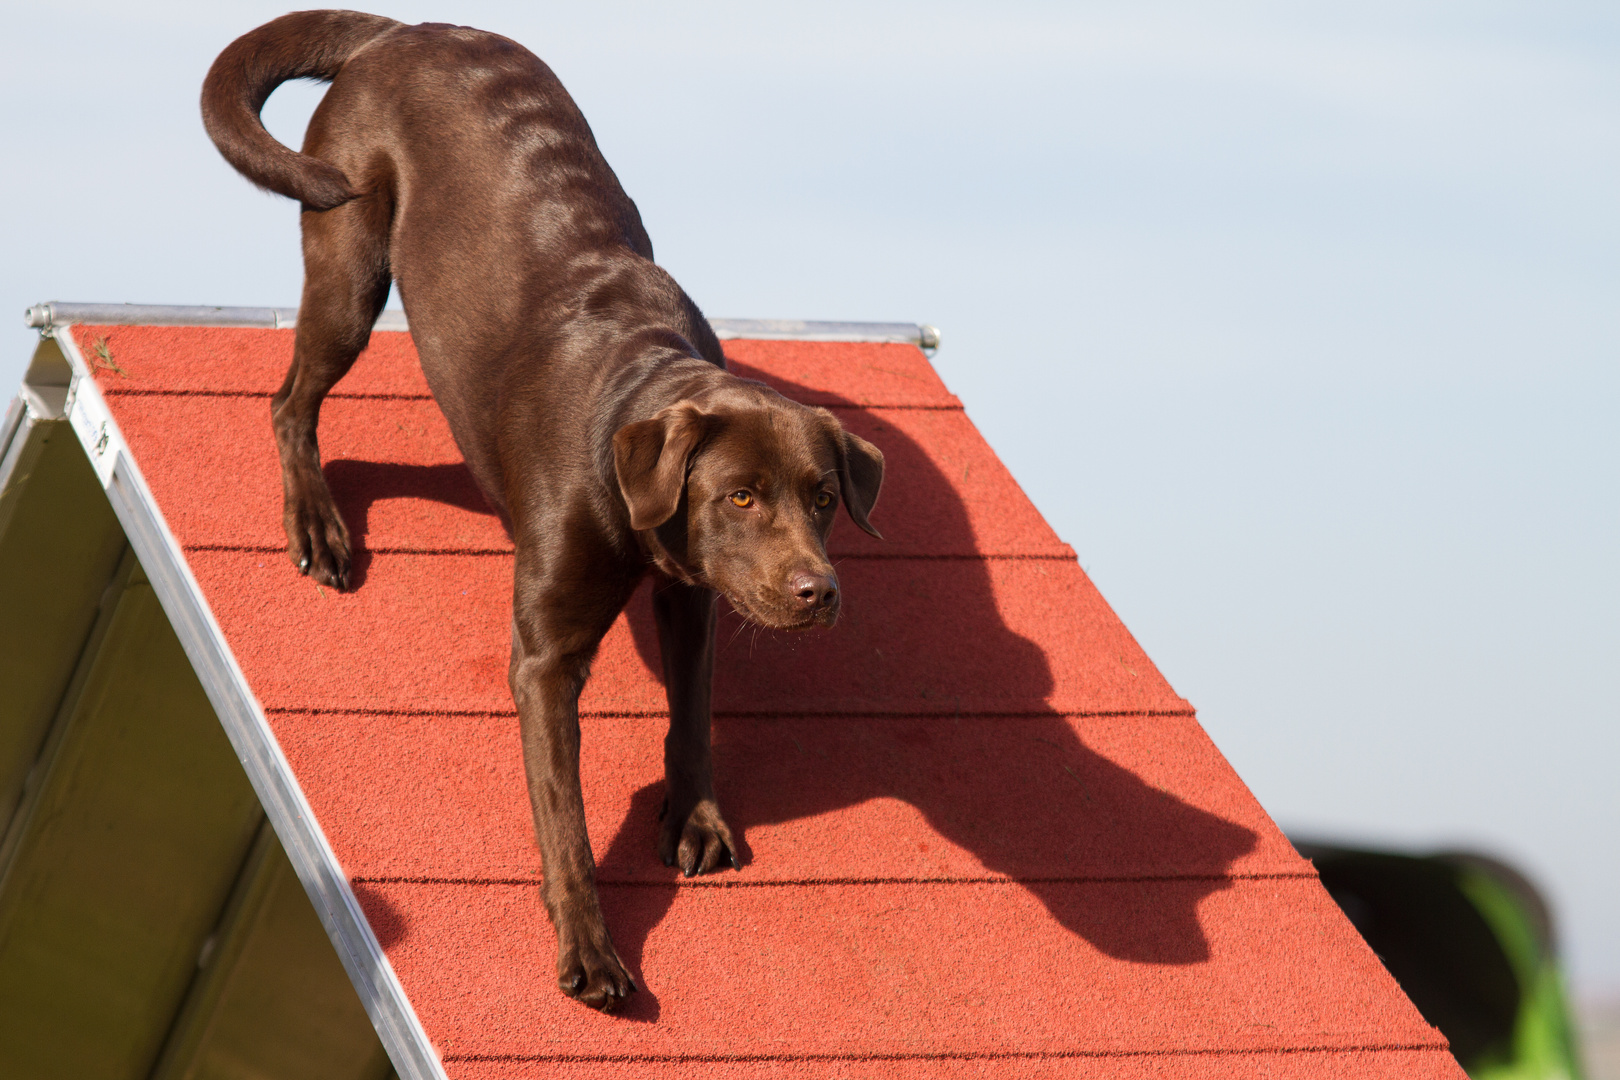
[801, 330]
[56, 313]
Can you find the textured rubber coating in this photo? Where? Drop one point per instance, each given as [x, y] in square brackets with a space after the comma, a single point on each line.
[981, 833]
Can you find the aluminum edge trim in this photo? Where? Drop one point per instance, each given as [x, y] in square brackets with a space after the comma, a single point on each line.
[15, 412]
[374, 979]
[17, 442]
[58, 313]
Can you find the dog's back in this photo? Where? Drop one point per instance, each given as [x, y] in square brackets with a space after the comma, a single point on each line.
[459, 154]
[469, 136]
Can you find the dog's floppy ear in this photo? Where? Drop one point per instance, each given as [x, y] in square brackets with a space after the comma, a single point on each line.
[860, 475]
[649, 459]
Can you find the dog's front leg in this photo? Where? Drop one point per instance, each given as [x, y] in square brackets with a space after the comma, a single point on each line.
[693, 836]
[549, 668]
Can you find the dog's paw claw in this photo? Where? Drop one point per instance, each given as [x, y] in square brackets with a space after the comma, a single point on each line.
[318, 541]
[699, 843]
[594, 977]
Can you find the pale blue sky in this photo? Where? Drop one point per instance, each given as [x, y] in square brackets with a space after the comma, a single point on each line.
[1299, 322]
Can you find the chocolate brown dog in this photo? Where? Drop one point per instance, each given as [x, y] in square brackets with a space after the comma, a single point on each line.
[587, 393]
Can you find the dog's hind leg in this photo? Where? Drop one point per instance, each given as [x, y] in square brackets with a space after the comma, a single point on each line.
[346, 279]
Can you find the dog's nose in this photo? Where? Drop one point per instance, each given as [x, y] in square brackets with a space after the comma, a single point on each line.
[815, 591]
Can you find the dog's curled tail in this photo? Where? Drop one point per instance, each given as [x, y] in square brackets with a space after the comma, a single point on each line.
[303, 45]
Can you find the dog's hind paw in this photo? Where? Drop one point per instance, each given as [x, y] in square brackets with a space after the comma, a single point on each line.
[699, 842]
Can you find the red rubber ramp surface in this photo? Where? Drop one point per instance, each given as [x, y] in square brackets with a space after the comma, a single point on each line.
[981, 832]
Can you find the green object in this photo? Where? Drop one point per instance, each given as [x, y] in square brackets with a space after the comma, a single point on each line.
[124, 850]
[1470, 941]
[271, 998]
[59, 545]
[1543, 1043]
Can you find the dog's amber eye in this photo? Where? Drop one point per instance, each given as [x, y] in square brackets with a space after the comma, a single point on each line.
[823, 500]
[742, 498]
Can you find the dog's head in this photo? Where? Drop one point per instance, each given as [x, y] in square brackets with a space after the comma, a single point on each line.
[736, 490]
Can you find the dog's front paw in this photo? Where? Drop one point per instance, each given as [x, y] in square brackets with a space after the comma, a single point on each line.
[698, 841]
[590, 973]
[318, 541]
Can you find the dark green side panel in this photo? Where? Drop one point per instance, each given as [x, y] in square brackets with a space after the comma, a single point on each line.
[120, 857]
[272, 999]
[59, 543]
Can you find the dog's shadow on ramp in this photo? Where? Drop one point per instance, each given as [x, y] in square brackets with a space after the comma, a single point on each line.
[1019, 798]
[357, 485]
[1114, 860]
[1029, 797]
